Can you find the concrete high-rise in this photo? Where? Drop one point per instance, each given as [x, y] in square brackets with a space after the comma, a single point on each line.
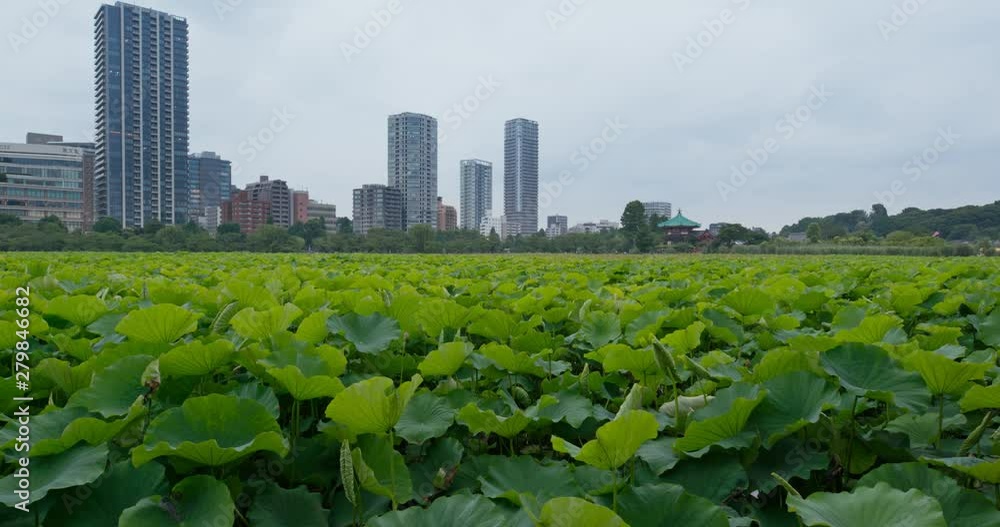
[520, 176]
[413, 166]
[141, 80]
[379, 207]
[268, 201]
[557, 226]
[477, 192]
[447, 216]
[88, 149]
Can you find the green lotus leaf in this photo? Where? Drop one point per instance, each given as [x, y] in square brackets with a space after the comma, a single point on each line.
[197, 501]
[79, 349]
[196, 358]
[979, 397]
[723, 328]
[879, 505]
[868, 371]
[794, 400]
[59, 430]
[446, 360]
[212, 430]
[79, 465]
[440, 460]
[875, 329]
[312, 329]
[988, 329]
[600, 328]
[569, 407]
[495, 325]
[664, 505]
[370, 334]
[262, 325]
[616, 442]
[307, 372]
[426, 417]
[659, 454]
[943, 375]
[249, 294]
[160, 324]
[372, 406]
[488, 422]
[922, 429]
[987, 470]
[961, 507]
[381, 470]
[440, 314]
[81, 310]
[723, 420]
[780, 361]
[789, 458]
[277, 507]
[578, 512]
[121, 487]
[114, 390]
[714, 476]
[260, 393]
[686, 340]
[645, 327]
[749, 302]
[68, 378]
[639, 362]
[510, 478]
[509, 360]
[471, 511]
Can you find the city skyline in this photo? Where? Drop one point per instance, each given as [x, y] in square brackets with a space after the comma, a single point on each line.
[683, 126]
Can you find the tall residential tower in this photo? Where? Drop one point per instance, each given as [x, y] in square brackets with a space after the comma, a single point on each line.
[477, 192]
[520, 176]
[141, 80]
[413, 166]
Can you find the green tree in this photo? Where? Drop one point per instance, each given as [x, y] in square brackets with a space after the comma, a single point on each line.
[228, 228]
[814, 233]
[108, 225]
[634, 225]
[309, 231]
[9, 220]
[345, 225]
[421, 237]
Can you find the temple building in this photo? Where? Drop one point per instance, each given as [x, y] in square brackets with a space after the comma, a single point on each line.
[678, 228]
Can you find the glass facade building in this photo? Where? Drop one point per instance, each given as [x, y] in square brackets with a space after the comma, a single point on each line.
[477, 192]
[37, 181]
[141, 81]
[210, 179]
[413, 166]
[520, 176]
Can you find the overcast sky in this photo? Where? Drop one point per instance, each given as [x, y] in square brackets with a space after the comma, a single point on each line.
[692, 85]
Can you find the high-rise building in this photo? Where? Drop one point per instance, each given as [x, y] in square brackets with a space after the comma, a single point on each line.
[33, 138]
[209, 181]
[41, 180]
[378, 207]
[260, 203]
[520, 176]
[300, 206]
[413, 166]
[477, 191]
[447, 216]
[141, 80]
[657, 208]
[323, 211]
[557, 226]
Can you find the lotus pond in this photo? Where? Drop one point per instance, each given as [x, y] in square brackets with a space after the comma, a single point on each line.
[320, 390]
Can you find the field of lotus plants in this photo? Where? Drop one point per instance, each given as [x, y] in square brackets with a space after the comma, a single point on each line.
[320, 390]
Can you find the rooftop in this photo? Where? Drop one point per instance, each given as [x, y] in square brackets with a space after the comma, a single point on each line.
[679, 221]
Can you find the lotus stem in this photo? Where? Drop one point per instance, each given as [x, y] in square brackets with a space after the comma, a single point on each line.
[392, 470]
[940, 421]
[850, 442]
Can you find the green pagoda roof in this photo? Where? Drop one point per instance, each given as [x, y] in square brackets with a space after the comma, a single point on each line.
[679, 221]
